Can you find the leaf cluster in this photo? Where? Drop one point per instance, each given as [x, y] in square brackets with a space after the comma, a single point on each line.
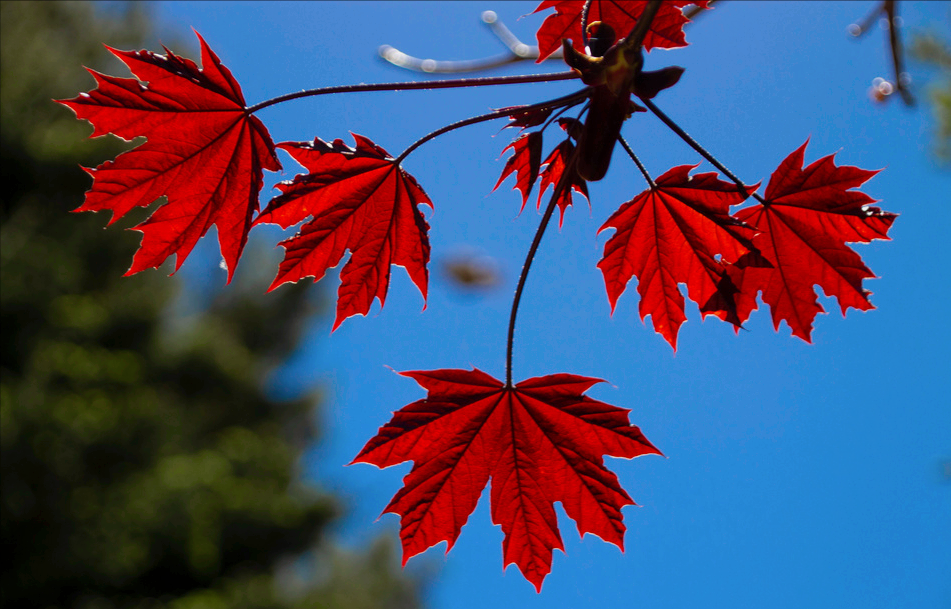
[206, 151]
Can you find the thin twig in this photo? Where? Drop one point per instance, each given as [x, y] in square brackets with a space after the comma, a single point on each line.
[894, 41]
[517, 51]
[567, 100]
[859, 29]
[693, 144]
[415, 85]
[539, 233]
[637, 162]
[888, 11]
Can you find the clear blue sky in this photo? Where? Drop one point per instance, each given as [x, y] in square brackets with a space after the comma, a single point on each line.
[797, 475]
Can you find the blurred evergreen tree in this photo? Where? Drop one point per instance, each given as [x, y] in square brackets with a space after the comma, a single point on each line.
[142, 463]
[932, 49]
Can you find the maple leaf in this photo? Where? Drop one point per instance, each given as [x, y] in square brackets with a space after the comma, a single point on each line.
[526, 118]
[560, 166]
[675, 232]
[204, 151]
[540, 441]
[525, 163]
[360, 200]
[809, 216]
[666, 30]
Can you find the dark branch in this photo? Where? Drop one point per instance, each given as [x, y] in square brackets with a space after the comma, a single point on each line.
[858, 29]
[888, 11]
[415, 85]
[563, 183]
[693, 144]
[567, 100]
[637, 162]
[894, 41]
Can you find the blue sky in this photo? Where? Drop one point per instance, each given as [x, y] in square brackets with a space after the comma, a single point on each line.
[796, 474]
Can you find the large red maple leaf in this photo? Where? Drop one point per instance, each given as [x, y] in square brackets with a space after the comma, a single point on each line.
[678, 231]
[666, 31]
[809, 216]
[204, 152]
[540, 441]
[359, 200]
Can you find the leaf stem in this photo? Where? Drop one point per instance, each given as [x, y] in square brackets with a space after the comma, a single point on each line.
[693, 144]
[539, 233]
[634, 41]
[637, 162]
[413, 85]
[553, 103]
[584, 23]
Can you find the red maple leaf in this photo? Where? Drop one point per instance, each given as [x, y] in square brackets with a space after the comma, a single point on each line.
[524, 119]
[678, 231]
[666, 31]
[560, 167]
[525, 163]
[359, 200]
[204, 152]
[809, 216]
[540, 441]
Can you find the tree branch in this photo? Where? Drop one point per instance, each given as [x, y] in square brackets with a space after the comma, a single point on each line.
[888, 11]
[415, 85]
[517, 51]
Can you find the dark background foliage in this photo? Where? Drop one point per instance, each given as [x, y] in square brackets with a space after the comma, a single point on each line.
[143, 465]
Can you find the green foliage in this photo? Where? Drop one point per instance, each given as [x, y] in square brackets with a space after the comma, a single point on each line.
[933, 50]
[142, 463]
